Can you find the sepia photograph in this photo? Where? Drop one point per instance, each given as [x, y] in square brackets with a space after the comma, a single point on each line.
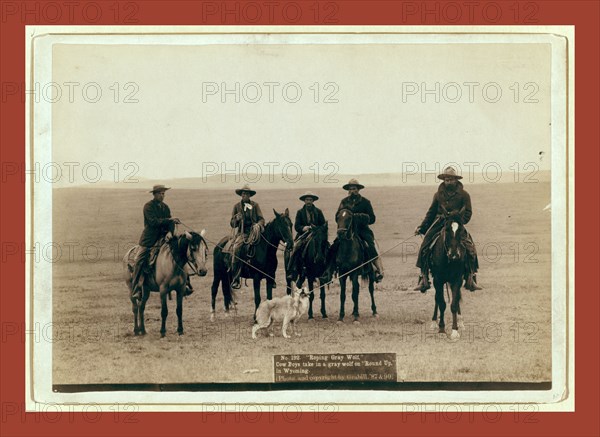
[350, 216]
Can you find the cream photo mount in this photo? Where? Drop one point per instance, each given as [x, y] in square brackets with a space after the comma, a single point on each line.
[39, 147]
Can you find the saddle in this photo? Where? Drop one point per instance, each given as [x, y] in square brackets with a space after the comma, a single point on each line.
[154, 254]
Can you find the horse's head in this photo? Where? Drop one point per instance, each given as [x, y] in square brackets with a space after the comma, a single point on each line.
[282, 226]
[455, 233]
[344, 222]
[319, 244]
[197, 252]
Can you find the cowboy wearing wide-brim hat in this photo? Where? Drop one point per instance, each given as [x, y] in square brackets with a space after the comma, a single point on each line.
[245, 216]
[450, 197]
[307, 218]
[363, 215]
[157, 223]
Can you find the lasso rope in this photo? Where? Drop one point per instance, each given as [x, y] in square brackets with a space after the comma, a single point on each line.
[322, 285]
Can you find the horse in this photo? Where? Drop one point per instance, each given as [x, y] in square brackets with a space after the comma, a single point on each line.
[186, 251]
[447, 265]
[349, 261]
[313, 260]
[262, 264]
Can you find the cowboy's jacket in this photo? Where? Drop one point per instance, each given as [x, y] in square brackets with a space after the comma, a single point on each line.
[156, 222]
[446, 202]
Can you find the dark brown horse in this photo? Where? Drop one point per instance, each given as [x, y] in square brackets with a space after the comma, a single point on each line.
[184, 255]
[351, 260]
[263, 262]
[447, 264]
[313, 262]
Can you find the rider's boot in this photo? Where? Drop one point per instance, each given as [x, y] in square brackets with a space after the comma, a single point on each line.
[424, 283]
[188, 287]
[378, 267]
[471, 283]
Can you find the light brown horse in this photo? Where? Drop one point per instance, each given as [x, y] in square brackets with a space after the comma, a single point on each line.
[184, 253]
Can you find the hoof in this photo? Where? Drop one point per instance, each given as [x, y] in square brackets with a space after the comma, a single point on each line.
[271, 334]
[356, 320]
[442, 330]
[143, 332]
[454, 335]
[325, 316]
[433, 326]
[180, 332]
[310, 317]
[375, 315]
[136, 332]
[162, 335]
[212, 317]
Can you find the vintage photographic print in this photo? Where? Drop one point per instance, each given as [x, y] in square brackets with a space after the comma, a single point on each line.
[350, 216]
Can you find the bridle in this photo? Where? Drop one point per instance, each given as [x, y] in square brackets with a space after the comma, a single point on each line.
[347, 233]
[191, 258]
[443, 236]
[281, 237]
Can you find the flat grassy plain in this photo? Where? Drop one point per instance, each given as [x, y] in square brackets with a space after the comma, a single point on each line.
[507, 333]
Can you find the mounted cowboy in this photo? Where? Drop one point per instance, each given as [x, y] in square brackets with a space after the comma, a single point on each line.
[307, 218]
[450, 198]
[158, 223]
[247, 223]
[364, 216]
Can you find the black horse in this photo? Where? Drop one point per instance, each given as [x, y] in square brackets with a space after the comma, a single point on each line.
[447, 264]
[350, 255]
[313, 262]
[262, 264]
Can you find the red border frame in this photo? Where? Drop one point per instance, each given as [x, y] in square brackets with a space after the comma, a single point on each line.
[584, 15]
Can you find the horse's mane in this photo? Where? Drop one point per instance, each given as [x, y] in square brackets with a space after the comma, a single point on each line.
[180, 244]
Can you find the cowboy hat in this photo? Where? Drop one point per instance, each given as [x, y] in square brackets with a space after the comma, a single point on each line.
[309, 194]
[247, 188]
[159, 188]
[352, 182]
[449, 172]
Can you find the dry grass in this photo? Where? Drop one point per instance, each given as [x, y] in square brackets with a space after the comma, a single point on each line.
[507, 336]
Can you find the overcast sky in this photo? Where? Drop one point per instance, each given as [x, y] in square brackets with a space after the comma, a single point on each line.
[379, 121]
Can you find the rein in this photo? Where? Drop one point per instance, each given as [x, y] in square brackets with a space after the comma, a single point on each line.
[349, 231]
[188, 262]
[271, 244]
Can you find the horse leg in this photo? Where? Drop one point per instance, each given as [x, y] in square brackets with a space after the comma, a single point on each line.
[142, 310]
[135, 310]
[434, 324]
[164, 312]
[311, 297]
[342, 297]
[441, 303]
[180, 311]
[372, 293]
[214, 290]
[256, 284]
[323, 311]
[454, 307]
[355, 291]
